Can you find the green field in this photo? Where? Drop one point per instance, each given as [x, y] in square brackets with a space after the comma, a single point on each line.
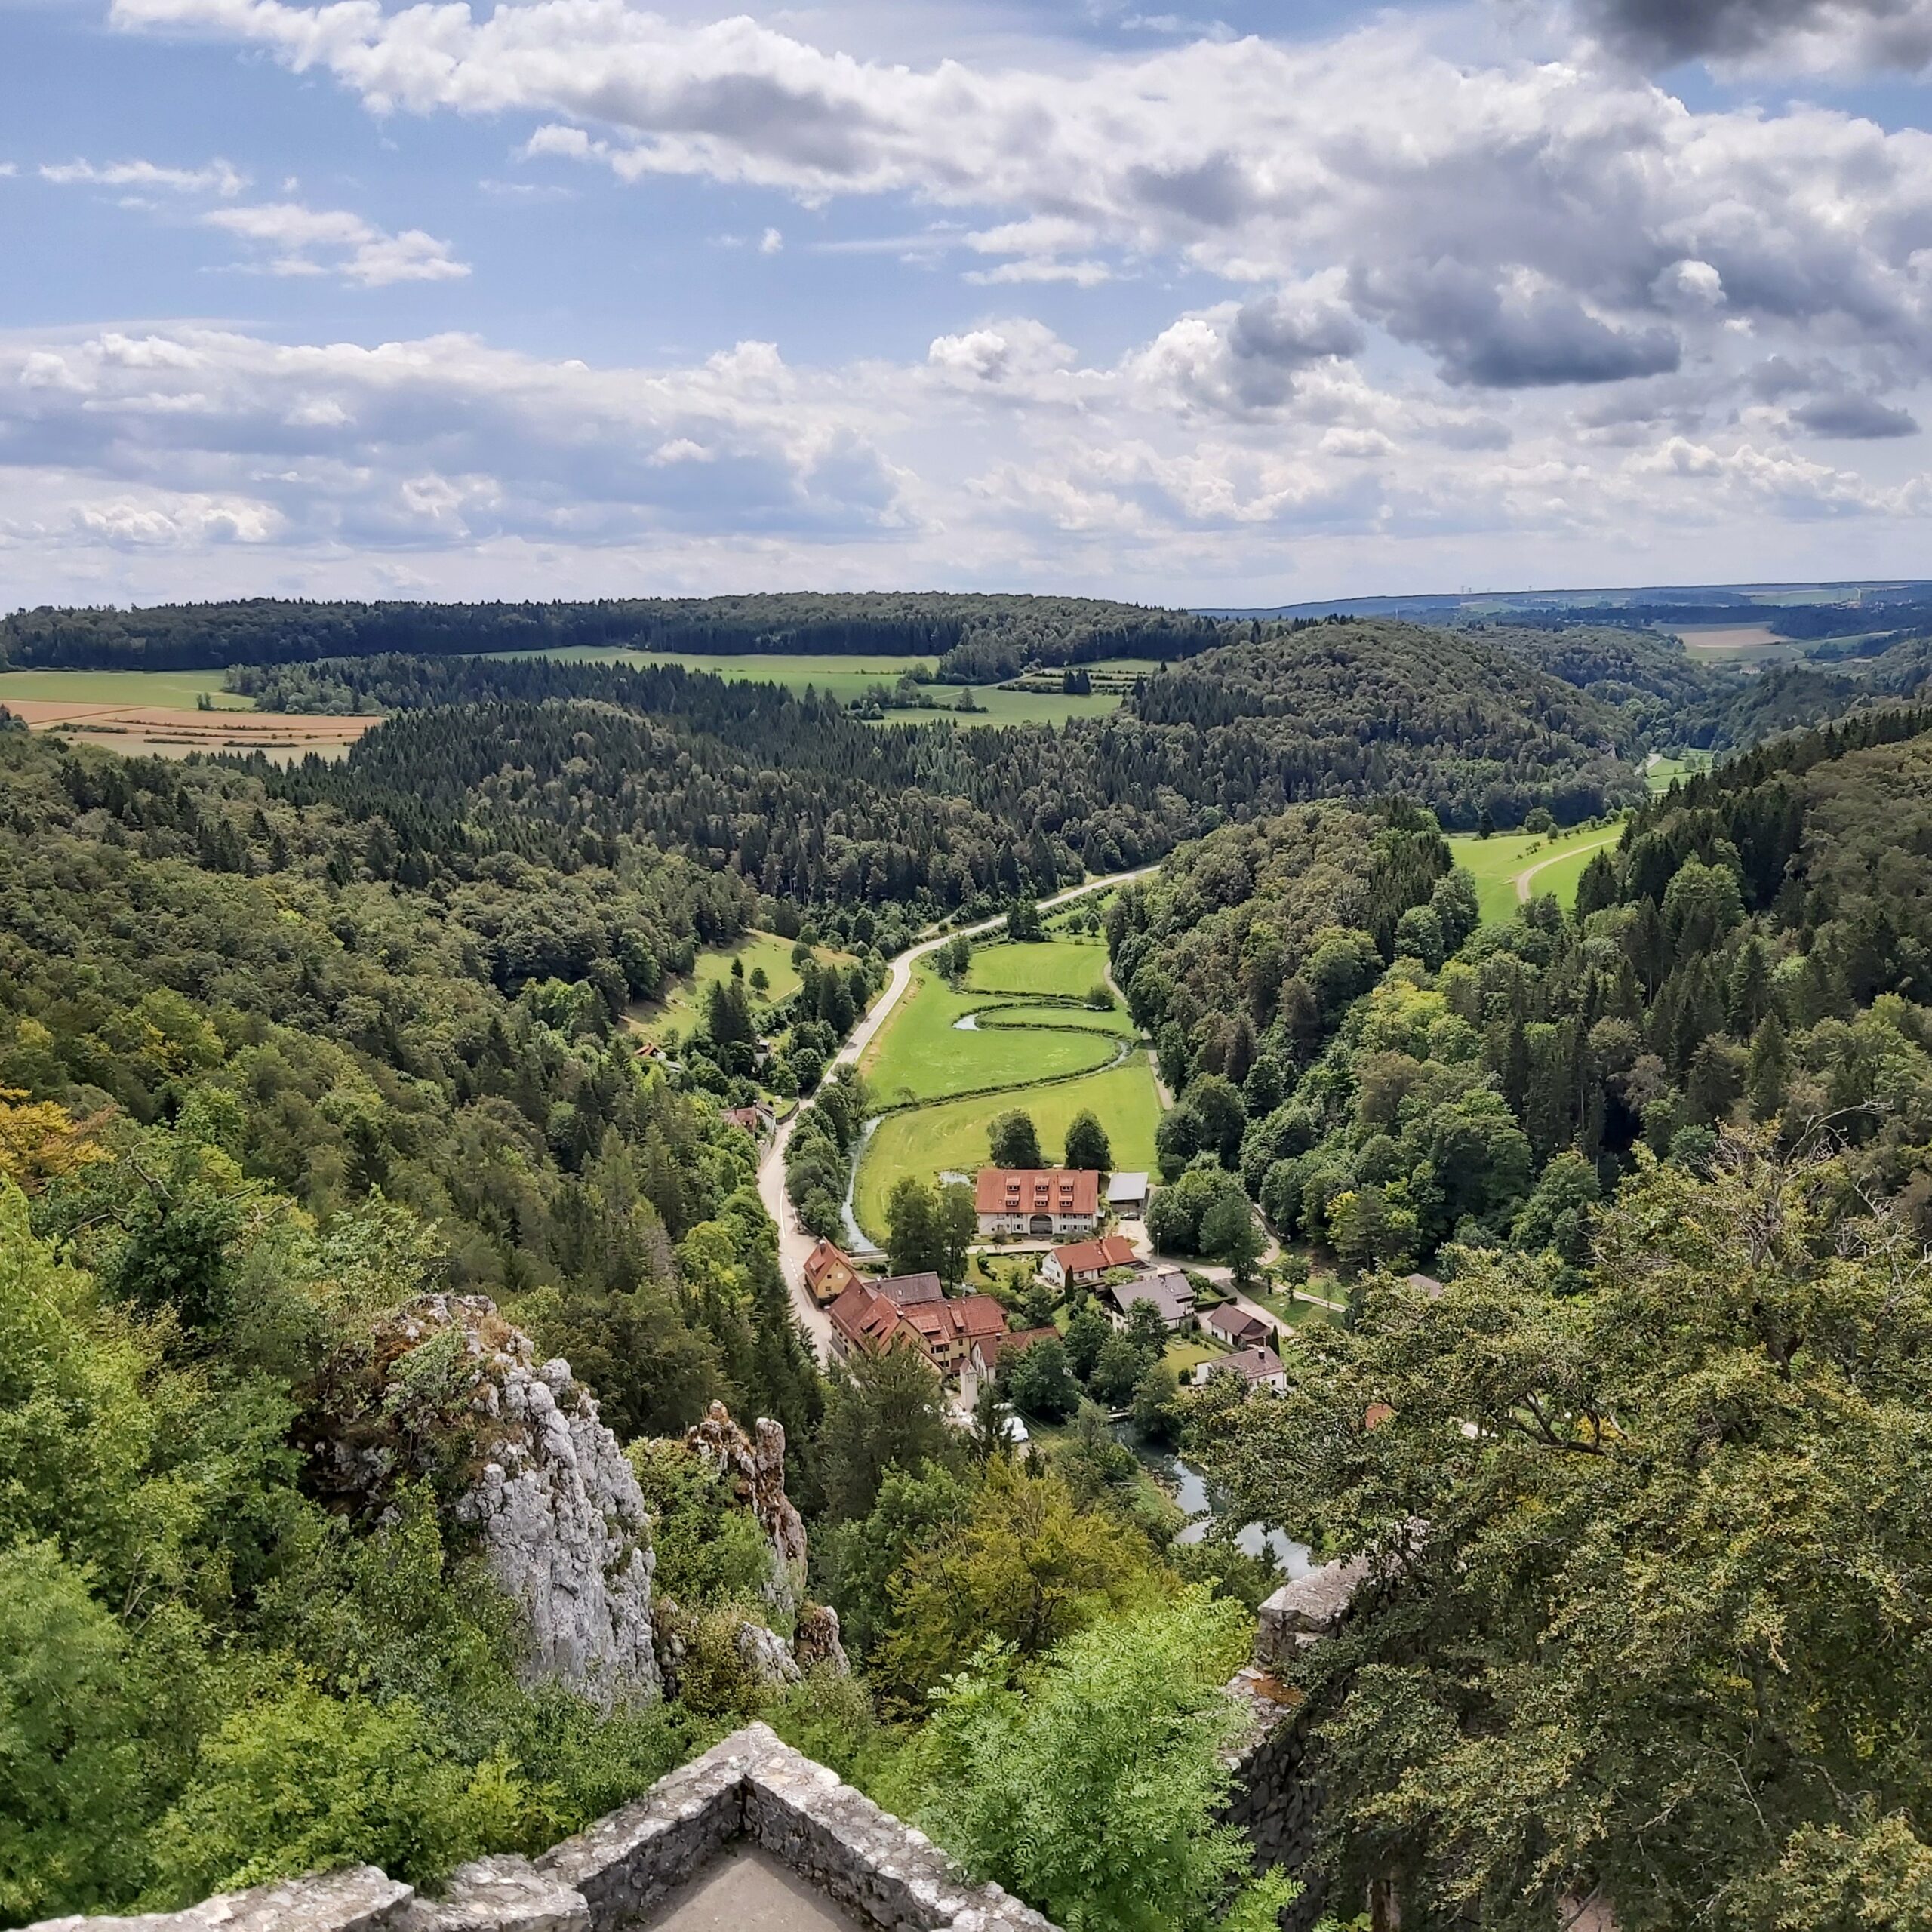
[1065, 966]
[925, 1141]
[681, 1002]
[1497, 863]
[849, 676]
[1660, 772]
[921, 1054]
[179, 689]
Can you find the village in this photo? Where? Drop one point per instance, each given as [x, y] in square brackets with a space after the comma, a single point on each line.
[968, 1337]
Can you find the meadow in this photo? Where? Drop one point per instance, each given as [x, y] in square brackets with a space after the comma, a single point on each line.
[851, 676]
[182, 690]
[922, 1053]
[927, 1141]
[1554, 864]
[1032, 1041]
[682, 1000]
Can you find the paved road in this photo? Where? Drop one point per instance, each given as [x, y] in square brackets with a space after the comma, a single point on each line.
[794, 1244]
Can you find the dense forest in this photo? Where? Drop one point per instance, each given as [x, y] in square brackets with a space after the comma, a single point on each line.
[978, 638]
[1642, 1469]
[1643, 1481]
[1386, 1078]
[811, 806]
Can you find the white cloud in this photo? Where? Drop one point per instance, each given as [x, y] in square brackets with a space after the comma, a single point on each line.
[305, 241]
[771, 242]
[1434, 308]
[297, 240]
[217, 177]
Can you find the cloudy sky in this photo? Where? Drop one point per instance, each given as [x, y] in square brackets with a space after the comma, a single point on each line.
[569, 297]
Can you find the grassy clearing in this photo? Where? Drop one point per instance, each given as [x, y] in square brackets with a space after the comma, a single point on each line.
[927, 1140]
[851, 675]
[1659, 772]
[1065, 966]
[179, 689]
[921, 1054]
[1499, 862]
[682, 1000]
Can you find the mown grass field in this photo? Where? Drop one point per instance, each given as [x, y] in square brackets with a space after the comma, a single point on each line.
[1065, 965]
[922, 1054]
[923, 1057]
[1499, 862]
[924, 1141]
[180, 690]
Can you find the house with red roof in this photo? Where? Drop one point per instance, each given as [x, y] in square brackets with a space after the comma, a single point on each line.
[911, 1310]
[1060, 1201]
[829, 1272]
[1080, 1263]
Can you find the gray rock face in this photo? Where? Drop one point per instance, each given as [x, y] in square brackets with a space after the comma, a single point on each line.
[553, 1503]
[563, 1528]
[756, 1464]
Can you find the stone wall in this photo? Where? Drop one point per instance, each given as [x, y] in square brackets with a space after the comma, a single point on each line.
[1276, 1800]
[752, 1788]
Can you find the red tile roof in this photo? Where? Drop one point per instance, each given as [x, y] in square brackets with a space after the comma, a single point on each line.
[1038, 1190]
[867, 1319]
[1086, 1257]
[829, 1267]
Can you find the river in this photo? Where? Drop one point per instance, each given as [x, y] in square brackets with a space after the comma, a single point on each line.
[1192, 1490]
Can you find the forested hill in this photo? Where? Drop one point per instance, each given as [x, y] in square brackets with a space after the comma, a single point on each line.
[212, 966]
[1663, 1407]
[981, 637]
[1757, 948]
[809, 803]
[1461, 720]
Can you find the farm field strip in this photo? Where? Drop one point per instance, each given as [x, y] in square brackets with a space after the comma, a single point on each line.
[848, 676]
[177, 690]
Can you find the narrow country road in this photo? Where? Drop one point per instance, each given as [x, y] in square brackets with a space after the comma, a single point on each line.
[794, 1244]
[1542, 864]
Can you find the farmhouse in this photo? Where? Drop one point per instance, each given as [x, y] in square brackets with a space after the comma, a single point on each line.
[1235, 1326]
[1038, 1201]
[1260, 1368]
[1168, 1288]
[1082, 1262]
[829, 1272]
[1127, 1195]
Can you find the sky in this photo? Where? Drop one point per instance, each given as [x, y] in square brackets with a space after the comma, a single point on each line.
[573, 298]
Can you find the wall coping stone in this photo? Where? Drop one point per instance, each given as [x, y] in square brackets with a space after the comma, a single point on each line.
[751, 1786]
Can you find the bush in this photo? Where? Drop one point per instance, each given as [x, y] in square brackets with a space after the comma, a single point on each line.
[303, 1782]
[1093, 1794]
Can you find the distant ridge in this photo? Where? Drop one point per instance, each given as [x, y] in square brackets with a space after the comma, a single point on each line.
[1437, 603]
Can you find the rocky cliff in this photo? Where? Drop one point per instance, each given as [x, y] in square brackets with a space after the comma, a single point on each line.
[447, 1394]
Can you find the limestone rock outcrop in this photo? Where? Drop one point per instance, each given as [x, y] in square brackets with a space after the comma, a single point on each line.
[448, 1393]
[756, 1464]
